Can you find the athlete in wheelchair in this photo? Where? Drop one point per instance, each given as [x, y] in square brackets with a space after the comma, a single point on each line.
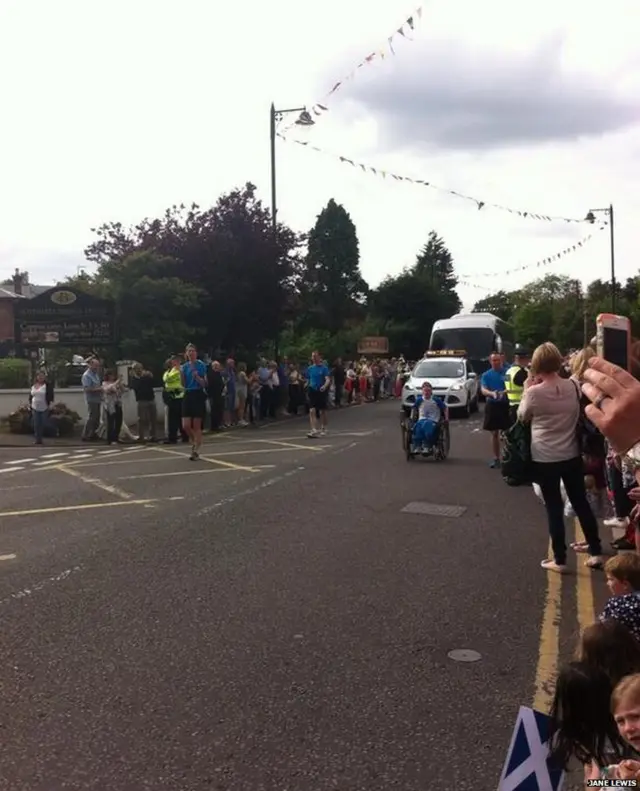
[426, 430]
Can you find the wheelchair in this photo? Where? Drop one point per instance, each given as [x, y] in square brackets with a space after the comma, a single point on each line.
[442, 444]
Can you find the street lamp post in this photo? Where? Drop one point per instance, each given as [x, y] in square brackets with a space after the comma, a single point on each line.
[592, 218]
[304, 119]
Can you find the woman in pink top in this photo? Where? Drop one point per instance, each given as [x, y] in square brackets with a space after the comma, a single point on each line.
[552, 405]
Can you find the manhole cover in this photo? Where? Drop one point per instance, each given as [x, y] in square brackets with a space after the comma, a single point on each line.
[464, 655]
[434, 509]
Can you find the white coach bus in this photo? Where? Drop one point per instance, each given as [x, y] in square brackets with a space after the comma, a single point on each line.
[479, 334]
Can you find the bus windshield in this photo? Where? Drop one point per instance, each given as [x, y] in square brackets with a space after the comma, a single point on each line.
[478, 342]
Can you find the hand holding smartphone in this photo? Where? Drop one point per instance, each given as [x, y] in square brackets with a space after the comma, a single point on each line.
[613, 339]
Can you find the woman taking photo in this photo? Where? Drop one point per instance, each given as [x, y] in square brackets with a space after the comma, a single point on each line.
[552, 405]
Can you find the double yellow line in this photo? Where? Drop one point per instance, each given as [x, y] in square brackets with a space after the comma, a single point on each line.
[549, 649]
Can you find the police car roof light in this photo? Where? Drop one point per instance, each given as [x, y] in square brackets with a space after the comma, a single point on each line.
[447, 353]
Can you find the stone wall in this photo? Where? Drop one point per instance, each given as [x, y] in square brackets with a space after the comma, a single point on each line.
[73, 397]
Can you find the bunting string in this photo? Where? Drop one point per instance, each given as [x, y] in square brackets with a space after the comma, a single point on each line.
[480, 204]
[404, 31]
[542, 262]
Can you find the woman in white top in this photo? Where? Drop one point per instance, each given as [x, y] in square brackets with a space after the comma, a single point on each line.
[552, 405]
[39, 399]
[113, 388]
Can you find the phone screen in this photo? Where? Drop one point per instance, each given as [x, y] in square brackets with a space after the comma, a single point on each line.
[615, 345]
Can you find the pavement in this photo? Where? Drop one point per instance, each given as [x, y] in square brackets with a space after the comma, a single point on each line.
[270, 618]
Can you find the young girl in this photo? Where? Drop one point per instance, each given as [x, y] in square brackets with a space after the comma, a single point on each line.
[582, 726]
[625, 708]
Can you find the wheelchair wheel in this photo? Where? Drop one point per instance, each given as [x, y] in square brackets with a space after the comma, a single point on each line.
[444, 443]
[406, 440]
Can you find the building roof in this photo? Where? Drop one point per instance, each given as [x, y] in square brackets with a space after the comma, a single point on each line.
[8, 292]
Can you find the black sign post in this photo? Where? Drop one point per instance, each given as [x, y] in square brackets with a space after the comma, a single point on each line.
[63, 316]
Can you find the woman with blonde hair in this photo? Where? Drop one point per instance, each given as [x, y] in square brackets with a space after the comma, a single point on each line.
[552, 405]
[580, 362]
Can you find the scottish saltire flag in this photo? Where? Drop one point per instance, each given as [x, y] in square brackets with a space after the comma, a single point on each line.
[528, 767]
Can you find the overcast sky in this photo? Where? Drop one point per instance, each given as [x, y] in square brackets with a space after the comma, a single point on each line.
[113, 111]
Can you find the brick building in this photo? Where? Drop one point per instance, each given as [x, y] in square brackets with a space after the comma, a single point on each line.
[20, 289]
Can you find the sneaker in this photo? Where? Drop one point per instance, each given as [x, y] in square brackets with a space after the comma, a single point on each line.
[551, 565]
[312, 434]
[323, 432]
[623, 545]
[616, 522]
[594, 562]
[495, 464]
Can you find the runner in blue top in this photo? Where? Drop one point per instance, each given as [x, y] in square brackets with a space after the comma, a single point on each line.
[496, 410]
[319, 380]
[194, 403]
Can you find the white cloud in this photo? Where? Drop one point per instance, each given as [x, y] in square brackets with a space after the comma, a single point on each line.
[119, 110]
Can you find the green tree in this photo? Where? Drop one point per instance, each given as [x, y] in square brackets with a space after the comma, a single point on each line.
[245, 274]
[501, 304]
[333, 291]
[405, 307]
[435, 264]
[156, 311]
[558, 308]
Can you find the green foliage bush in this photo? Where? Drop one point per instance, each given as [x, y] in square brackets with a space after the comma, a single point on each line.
[14, 374]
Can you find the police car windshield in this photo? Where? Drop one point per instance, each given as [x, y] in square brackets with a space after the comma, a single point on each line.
[439, 369]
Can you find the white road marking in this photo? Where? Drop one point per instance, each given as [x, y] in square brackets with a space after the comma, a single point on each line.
[25, 592]
[51, 463]
[53, 455]
[8, 557]
[13, 469]
[108, 452]
[206, 471]
[343, 448]
[247, 492]
[83, 456]
[20, 461]
[105, 487]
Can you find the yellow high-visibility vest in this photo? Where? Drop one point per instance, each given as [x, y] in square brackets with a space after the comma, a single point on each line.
[172, 381]
[514, 393]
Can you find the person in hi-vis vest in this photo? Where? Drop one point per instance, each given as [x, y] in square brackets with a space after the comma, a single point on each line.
[515, 378]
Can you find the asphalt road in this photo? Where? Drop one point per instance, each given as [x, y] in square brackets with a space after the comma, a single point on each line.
[269, 617]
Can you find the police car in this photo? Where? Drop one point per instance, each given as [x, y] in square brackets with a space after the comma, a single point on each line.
[452, 378]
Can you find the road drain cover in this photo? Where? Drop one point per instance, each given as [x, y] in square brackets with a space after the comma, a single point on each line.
[434, 509]
[464, 655]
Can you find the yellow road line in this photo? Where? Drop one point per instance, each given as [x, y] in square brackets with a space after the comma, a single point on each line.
[208, 471]
[549, 649]
[65, 508]
[316, 448]
[105, 487]
[116, 462]
[584, 587]
[208, 459]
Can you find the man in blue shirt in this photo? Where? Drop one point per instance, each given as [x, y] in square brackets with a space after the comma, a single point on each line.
[496, 411]
[319, 379]
[194, 403]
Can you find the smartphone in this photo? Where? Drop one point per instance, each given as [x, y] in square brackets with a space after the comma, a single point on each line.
[613, 339]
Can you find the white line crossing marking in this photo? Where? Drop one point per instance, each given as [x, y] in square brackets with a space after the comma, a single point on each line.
[49, 463]
[20, 461]
[53, 455]
[13, 469]
[84, 456]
